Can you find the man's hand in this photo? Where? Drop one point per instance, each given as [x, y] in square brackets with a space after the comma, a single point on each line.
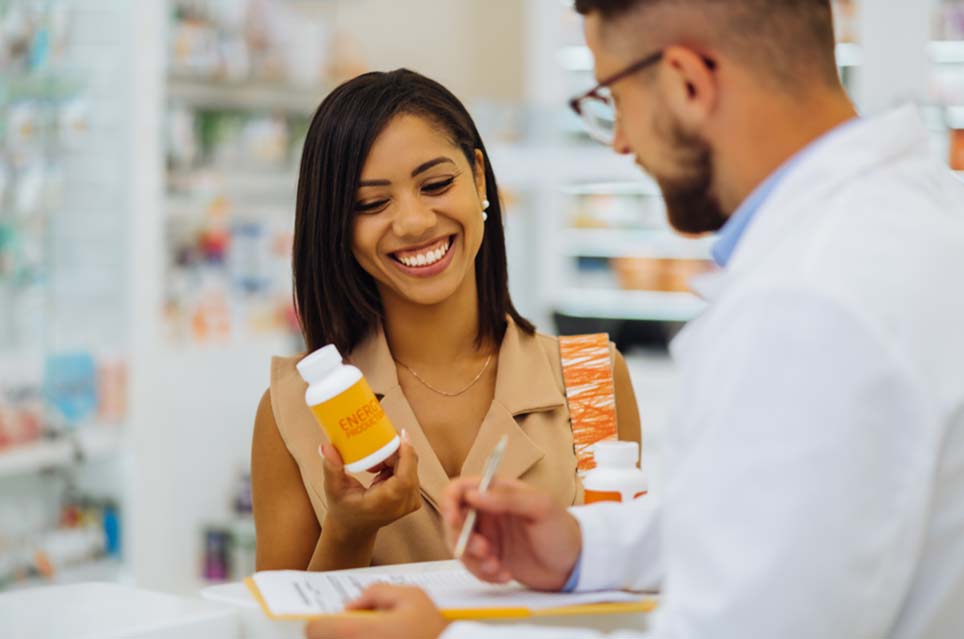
[520, 533]
[403, 612]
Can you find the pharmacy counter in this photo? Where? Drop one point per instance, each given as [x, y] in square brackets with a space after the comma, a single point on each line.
[112, 611]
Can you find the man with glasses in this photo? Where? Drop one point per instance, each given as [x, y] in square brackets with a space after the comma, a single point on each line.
[814, 483]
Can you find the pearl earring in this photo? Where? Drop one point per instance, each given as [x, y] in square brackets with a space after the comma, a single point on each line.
[485, 205]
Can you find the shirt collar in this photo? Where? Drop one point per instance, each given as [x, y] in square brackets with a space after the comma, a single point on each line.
[729, 236]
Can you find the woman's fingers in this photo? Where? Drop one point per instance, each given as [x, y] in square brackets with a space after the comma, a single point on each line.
[407, 468]
[384, 475]
[381, 597]
[335, 477]
[330, 454]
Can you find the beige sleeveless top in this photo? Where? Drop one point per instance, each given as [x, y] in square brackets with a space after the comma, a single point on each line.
[529, 406]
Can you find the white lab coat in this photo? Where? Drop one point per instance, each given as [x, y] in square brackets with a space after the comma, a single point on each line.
[814, 483]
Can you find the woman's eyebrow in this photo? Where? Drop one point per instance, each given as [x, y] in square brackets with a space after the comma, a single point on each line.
[425, 166]
[421, 168]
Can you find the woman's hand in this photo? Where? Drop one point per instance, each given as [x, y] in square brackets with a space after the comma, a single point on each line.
[404, 612]
[354, 510]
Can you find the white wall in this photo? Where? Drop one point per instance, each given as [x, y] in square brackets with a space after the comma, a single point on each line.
[474, 47]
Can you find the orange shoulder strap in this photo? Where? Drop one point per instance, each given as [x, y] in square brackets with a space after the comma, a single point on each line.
[587, 370]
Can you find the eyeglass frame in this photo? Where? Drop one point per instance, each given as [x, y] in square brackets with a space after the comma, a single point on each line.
[639, 65]
[593, 93]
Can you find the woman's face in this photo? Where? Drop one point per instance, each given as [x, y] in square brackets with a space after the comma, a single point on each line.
[418, 214]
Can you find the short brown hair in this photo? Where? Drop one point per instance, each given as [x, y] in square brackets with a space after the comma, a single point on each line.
[788, 40]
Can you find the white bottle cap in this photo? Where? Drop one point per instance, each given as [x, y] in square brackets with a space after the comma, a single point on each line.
[620, 454]
[320, 363]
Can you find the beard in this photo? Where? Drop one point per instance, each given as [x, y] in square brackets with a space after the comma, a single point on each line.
[691, 205]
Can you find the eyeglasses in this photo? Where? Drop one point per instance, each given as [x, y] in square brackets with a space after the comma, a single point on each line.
[596, 108]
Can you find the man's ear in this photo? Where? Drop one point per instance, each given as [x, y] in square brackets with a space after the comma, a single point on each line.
[689, 85]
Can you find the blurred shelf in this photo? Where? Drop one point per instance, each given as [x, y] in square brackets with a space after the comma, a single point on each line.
[521, 165]
[629, 305]
[578, 58]
[235, 181]
[107, 569]
[87, 444]
[245, 96]
[27, 458]
[635, 243]
[642, 187]
[575, 58]
[947, 51]
[849, 54]
[44, 85]
[949, 116]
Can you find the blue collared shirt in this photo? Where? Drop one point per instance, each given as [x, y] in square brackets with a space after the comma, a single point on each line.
[731, 233]
[573, 580]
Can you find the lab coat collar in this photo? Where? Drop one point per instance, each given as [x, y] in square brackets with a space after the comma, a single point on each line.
[851, 153]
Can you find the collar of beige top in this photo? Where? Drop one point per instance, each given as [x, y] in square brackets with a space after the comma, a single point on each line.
[525, 383]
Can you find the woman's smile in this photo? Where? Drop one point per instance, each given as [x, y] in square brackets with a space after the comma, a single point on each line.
[426, 260]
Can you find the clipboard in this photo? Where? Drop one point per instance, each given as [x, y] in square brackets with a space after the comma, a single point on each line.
[645, 604]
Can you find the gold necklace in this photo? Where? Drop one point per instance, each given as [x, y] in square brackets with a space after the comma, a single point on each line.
[446, 393]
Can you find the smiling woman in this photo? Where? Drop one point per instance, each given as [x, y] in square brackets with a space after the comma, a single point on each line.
[399, 260]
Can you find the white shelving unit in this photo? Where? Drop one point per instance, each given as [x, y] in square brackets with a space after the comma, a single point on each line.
[87, 444]
[85, 279]
[103, 570]
[629, 305]
[660, 244]
[946, 51]
[244, 96]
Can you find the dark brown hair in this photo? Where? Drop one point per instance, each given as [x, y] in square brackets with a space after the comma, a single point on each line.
[336, 300]
[790, 41]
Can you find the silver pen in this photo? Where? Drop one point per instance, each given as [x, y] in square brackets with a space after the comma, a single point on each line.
[487, 473]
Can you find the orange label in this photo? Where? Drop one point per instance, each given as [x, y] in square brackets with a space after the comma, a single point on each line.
[590, 393]
[355, 422]
[592, 496]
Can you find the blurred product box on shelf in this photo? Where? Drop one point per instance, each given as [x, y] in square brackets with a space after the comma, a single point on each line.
[617, 210]
[85, 388]
[35, 34]
[21, 398]
[229, 547]
[70, 385]
[653, 274]
[845, 20]
[949, 20]
[957, 149]
[255, 39]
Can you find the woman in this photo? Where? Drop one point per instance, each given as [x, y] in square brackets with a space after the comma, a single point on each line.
[399, 260]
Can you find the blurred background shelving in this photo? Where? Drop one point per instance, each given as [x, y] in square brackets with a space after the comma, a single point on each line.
[63, 325]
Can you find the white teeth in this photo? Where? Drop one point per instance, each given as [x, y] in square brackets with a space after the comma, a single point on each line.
[428, 258]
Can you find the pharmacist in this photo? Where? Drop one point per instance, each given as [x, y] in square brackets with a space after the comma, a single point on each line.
[814, 479]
